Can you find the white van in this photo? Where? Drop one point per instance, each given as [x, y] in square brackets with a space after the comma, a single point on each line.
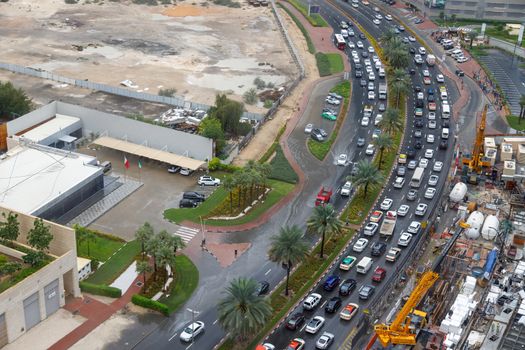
[444, 133]
[364, 265]
[455, 52]
[381, 72]
[445, 113]
[444, 95]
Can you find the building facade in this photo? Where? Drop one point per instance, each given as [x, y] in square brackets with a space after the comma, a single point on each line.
[499, 10]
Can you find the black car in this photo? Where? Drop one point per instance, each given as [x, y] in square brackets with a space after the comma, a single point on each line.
[378, 248]
[418, 123]
[364, 54]
[333, 304]
[194, 196]
[412, 195]
[460, 73]
[410, 153]
[419, 103]
[412, 71]
[317, 135]
[187, 203]
[401, 28]
[263, 288]
[362, 36]
[366, 291]
[401, 170]
[295, 321]
[431, 98]
[418, 134]
[358, 73]
[360, 142]
[443, 144]
[347, 286]
[418, 145]
[412, 50]
[417, 88]
[445, 123]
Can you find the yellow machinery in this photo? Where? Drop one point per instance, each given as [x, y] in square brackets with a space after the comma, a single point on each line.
[399, 331]
[475, 160]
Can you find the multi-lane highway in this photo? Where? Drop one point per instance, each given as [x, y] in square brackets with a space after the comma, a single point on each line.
[340, 328]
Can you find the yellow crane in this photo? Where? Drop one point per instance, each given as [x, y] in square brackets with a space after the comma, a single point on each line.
[475, 160]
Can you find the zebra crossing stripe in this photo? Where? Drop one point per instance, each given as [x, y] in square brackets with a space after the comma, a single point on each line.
[186, 233]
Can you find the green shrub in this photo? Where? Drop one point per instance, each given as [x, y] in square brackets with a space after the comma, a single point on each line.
[100, 289]
[244, 129]
[170, 92]
[215, 164]
[228, 3]
[281, 168]
[315, 19]
[274, 145]
[139, 300]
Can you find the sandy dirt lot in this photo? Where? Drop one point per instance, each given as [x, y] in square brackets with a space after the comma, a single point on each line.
[197, 49]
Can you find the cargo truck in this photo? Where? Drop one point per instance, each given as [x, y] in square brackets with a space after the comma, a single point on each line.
[382, 91]
[389, 224]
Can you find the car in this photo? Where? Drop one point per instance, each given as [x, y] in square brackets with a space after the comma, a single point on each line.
[401, 28]
[314, 324]
[376, 21]
[371, 49]
[312, 301]
[410, 152]
[365, 121]
[346, 189]
[445, 123]
[347, 286]
[427, 81]
[414, 227]
[362, 36]
[362, 82]
[422, 50]
[326, 339]
[194, 196]
[371, 95]
[418, 145]
[379, 274]
[376, 216]
[351, 32]
[331, 282]
[355, 5]
[371, 76]
[266, 346]
[342, 159]
[349, 311]
[412, 50]
[412, 195]
[440, 78]
[429, 153]
[403, 210]
[411, 39]
[431, 115]
[423, 163]
[393, 254]
[347, 263]
[188, 203]
[343, 25]
[359, 73]
[173, 169]
[418, 133]
[412, 164]
[378, 248]
[418, 59]
[430, 138]
[360, 142]
[191, 331]
[378, 119]
[360, 245]
[437, 166]
[364, 54]
[419, 21]
[359, 44]
[433, 180]
[333, 101]
[421, 209]
[371, 86]
[370, 149]
[462, 59]
[381, 107]
[399, 182]
[335, 95]
[431, 98]
[317, 135]
[329, 116]
[295, 321]
[401, 170]
[333, 304]
[329, 110]
[263, 288]
[426, 73]
[308, 128]
[402, 159]
[207, 180]
[354, 170]
[417, 88]
[370, 228]
[405, 40]
[185, 171]
[388, 17]
[404, 240]
[418, 123]
[432, 106]
[387, 203]
[350, 44]
[366, 291]
[376, 133]
[430, 192]
[443, 144]
[460, 73]
[296, 344]
[369, 70]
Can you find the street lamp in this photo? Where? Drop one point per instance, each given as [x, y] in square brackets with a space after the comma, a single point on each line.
[193, 313]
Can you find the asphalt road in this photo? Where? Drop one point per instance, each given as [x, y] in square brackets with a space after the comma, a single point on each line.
[340, 328]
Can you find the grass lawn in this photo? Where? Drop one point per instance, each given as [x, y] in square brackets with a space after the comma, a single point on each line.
[100, 249]
[112, 268]
[279, 190]
[186, 280]
[329, 63]
[514, 122]
[281, 168]
[315, 19]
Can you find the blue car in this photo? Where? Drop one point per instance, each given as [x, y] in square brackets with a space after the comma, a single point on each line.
[331, 282]
[431, 91]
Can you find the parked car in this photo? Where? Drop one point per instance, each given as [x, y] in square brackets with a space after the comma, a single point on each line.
[194, 196]
[187, 203]
[185, 171]
[308, 128]
[207, 180]
[317, 135]
[174, 169]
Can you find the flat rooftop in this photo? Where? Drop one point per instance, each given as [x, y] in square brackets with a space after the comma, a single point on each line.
[34, 176]
[49, 128]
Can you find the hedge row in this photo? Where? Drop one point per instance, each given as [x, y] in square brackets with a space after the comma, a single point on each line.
[100, 289]
[140, 300]
[274, 145]
[309, 43]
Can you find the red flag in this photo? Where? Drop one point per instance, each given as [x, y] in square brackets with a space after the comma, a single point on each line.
[126, 162]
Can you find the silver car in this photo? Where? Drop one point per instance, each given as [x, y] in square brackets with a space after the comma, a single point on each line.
[191, 331]
[325, 340]
[314, 325]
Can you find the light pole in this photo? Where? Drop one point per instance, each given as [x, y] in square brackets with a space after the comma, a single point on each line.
[193, 312]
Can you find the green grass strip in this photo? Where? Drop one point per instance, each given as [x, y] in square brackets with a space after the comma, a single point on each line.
[309, 42]
[116, 264]
[516, 123]
[329, 63]
[315, 19]
[186, 280]
[100, 249]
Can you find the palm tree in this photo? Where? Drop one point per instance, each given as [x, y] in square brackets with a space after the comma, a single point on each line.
[229, 184]
[164, 257]
[383, 142]
[367, 175]
[266, 170]
[399, 58]
[391, 122]
[89, 237]
[242, 312]
[324, 220]
[143, 268]
[176, 243]
[472, 35]
[151, 247]
[522, 107]
[288, 248]
[388, 37]
[400, 83]
[144, 234]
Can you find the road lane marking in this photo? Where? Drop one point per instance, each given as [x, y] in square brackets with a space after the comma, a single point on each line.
[189, 346]
[323, 304]
[267, 272]
[173, 336]
[215, 322]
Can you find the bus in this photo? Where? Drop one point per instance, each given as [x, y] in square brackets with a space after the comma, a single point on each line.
[339, 41]
[418, 176]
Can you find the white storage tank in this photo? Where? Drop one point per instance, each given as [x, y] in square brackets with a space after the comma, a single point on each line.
[458, 192]
[475, 220]
[490, 228]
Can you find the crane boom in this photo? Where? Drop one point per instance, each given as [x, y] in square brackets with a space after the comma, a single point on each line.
[475, 161]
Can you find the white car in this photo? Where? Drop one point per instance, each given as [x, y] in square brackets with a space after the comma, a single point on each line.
[206, 180]
[437, 166]
[422, 51]
[433, 180]
[191, 331]
[268, 346]
[354, 53]
[430, 138]
[404, 239]
[326, 339]
[360, 245]
[371, 95]
[308, 128]
[370, 149]
[399, 182]
[378, 119]
[370, 228]
[369, 69]
[343, 25]
[430, 192]
[386, 204]
[378, 16]
[431, 115]
[351, 44]
[333, 101]
[376, 22]
[462, 59]
[411, 39]
[403, 210]
[426, 73]
[314, 325]
[342, 159]
[355, 5]
[346, 189]
[414, 227]
[440, 78]
[371, 49]
[365, 121]
[423, 163]
[312, 301]
[429, 153]
[371, 86]
[388, 17]
[371, 76]
[359, 45]
[367, 62]
[432, 124]
[421, 209]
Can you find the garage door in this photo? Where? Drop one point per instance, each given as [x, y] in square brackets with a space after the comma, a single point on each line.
[52, 299]
[32, 311]
[3, 331]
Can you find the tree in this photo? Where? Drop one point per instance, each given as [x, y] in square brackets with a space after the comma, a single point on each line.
[250, 96]
[399, 58]
[176, 243]
[13, 101]
[10, 228]
[442, 15]
[522, 107]
[39, 237]
[152, 247]
[400, 84]
[34, 258]
[229, 184]
[212, 128]
[9, 268]
[324, 221]
[367, 175]
[143, 268]
[89, 237]
[143, 235]
[383, 142]
[453, 18]
[391, 122]
[288, 248]
[229, 112]
[472, 35]
[387, 38]
[242, 312]
[165, 257]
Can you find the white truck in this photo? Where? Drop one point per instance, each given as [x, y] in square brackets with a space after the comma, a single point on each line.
[382, 91]
[389, 224]
[431, 60]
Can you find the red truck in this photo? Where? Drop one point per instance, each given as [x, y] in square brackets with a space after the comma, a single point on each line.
[323, 197]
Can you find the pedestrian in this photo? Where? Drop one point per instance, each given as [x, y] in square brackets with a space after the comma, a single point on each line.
[322, 38]
[235, 252]
[203, 243]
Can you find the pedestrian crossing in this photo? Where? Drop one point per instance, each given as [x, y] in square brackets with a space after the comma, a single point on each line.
[186, 233]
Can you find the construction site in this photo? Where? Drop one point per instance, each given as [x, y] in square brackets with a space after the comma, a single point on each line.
[467, 290]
